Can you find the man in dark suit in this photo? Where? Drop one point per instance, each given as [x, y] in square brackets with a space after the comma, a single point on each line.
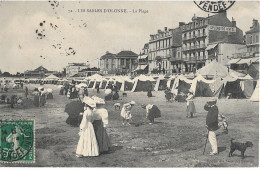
[212, 124]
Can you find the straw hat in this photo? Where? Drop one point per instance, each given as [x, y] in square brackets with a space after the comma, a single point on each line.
[212, 101]
[89, 101]
[132, 102]
[98, 100]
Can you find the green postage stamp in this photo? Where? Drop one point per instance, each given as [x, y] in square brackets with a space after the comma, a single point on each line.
[17, 141]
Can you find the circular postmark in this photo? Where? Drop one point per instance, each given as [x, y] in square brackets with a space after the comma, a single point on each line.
[17, 141]
[214, 6]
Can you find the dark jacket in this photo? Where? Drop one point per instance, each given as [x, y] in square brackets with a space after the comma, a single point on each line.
[212, 117]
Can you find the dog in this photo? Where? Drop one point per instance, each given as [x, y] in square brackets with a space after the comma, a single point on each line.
[117, 105]
[124, 94]
[239, 146]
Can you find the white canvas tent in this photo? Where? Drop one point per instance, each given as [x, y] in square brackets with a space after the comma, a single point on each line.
[215, 69]
[111, 80]
[205, 88]
[161, 83]
[181, 84]
[170, 81]
[52, 77]
[127, 84]
[143, 83]
[103, 83]
[255, 95]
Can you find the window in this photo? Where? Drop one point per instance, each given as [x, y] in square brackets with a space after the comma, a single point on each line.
[257, 38]
[251, 39]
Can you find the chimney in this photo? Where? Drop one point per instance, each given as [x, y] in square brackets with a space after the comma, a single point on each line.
[165, 29]
[159, 31]
[224, 13]
[255, 22]
[181, 23]
[234, 23]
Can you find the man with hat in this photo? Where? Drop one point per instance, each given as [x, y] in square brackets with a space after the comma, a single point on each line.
[126, 112]
[212, 124]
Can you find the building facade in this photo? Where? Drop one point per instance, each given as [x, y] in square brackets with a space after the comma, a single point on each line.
[222, 52]
[143, 67]
[252, 39]
[123, 62]
[39, 72]
[244, 60]
[74, 68]
[202, 31]
[161, 47]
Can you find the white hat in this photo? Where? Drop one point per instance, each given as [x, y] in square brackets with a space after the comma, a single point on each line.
[89, 101]
[49, 90]
[108, 91]
[98, 100]
[132, 102]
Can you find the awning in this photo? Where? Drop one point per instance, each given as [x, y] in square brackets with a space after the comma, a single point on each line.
[140, 67]
[234, 61]
[209, 47]
[142, 57]
[245, 61]
[255, 59]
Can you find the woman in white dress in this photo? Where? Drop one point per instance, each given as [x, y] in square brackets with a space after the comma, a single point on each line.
[87, 145]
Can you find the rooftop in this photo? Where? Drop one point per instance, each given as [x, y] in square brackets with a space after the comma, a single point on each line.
[108, 55]
[127, 54]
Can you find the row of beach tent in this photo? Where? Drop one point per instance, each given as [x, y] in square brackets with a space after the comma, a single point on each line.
[212, 80]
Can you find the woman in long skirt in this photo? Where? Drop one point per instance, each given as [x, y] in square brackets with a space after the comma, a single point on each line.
[87, 145]
[190, 106]
[152, 112]
[100, 123]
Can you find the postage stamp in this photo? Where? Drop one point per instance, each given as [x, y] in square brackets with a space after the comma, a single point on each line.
[17, 141]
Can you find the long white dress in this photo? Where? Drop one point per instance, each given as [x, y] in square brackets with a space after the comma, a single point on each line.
[87, 145]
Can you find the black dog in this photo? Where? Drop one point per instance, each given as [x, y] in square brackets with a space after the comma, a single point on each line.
[124, 94]
[239, 146]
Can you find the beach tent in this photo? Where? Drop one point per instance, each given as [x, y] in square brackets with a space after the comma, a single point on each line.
[161, 83]
[255, 95]
[181, 85]
[247, 84]
[110, 82]
[231, 87]
[103, 83]
[215, 69]
[52, 77]
[97, 82]
[204, 88]
[143, 83]
[253, 70]
[170, 81]
[127, 84]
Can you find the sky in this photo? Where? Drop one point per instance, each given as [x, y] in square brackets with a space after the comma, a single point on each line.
[72, 36]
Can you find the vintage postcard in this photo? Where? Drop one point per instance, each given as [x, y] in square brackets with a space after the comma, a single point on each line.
[129, 84]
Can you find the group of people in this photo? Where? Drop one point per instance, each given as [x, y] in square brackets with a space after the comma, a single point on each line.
[89, 114]
[112, 92]
[152, 112]
[92, 118]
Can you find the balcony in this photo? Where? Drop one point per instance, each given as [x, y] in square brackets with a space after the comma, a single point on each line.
[193, 36]
[194, 47]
